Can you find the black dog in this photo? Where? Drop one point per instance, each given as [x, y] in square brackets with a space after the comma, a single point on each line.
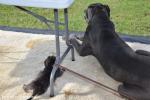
[42, 82]
[117, 58]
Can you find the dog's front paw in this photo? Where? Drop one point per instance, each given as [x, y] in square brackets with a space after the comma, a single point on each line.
[72, 40]
[70, 36]
[79, 37]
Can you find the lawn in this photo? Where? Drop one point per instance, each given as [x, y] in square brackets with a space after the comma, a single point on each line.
[129, 16]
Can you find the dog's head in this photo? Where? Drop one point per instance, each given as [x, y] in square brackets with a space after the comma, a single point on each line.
[94, 9]
[49, 62]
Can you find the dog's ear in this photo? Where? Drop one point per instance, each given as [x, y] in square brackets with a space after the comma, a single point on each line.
[52, 60]
[108, 9]
[45, 63]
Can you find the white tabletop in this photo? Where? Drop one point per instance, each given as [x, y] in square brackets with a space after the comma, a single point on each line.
[58, 4]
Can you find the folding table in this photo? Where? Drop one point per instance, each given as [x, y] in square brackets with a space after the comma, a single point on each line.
[50, 4]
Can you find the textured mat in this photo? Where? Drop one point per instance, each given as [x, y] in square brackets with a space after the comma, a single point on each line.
[21, 59]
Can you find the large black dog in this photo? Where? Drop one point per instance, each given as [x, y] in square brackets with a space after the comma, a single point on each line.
[117, 58]
[42, 82]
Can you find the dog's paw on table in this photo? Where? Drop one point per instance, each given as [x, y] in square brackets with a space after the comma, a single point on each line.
[70, 36]
[76, 36]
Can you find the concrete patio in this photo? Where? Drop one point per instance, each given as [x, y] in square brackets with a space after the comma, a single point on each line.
[21, 59]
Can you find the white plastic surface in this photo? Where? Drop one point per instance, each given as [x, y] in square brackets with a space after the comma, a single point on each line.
[57, 4]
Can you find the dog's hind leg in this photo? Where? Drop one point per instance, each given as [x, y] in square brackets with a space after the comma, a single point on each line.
[28, 88]
[83, 49]
[30, 98]
[142, 52]
[133, 92]
[33, 95]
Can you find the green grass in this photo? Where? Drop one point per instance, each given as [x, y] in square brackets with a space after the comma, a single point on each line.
[129, 16]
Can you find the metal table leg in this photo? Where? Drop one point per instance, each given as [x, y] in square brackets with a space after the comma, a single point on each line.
[70, 47]
[57, 52]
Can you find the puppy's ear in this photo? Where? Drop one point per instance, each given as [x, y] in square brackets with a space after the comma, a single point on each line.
[45, 63]
[108, 10]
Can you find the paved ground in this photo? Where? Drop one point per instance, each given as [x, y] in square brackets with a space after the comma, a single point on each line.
[22, 56]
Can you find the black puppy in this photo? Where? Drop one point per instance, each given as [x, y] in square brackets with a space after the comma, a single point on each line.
[42, 82]
[117, 58]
